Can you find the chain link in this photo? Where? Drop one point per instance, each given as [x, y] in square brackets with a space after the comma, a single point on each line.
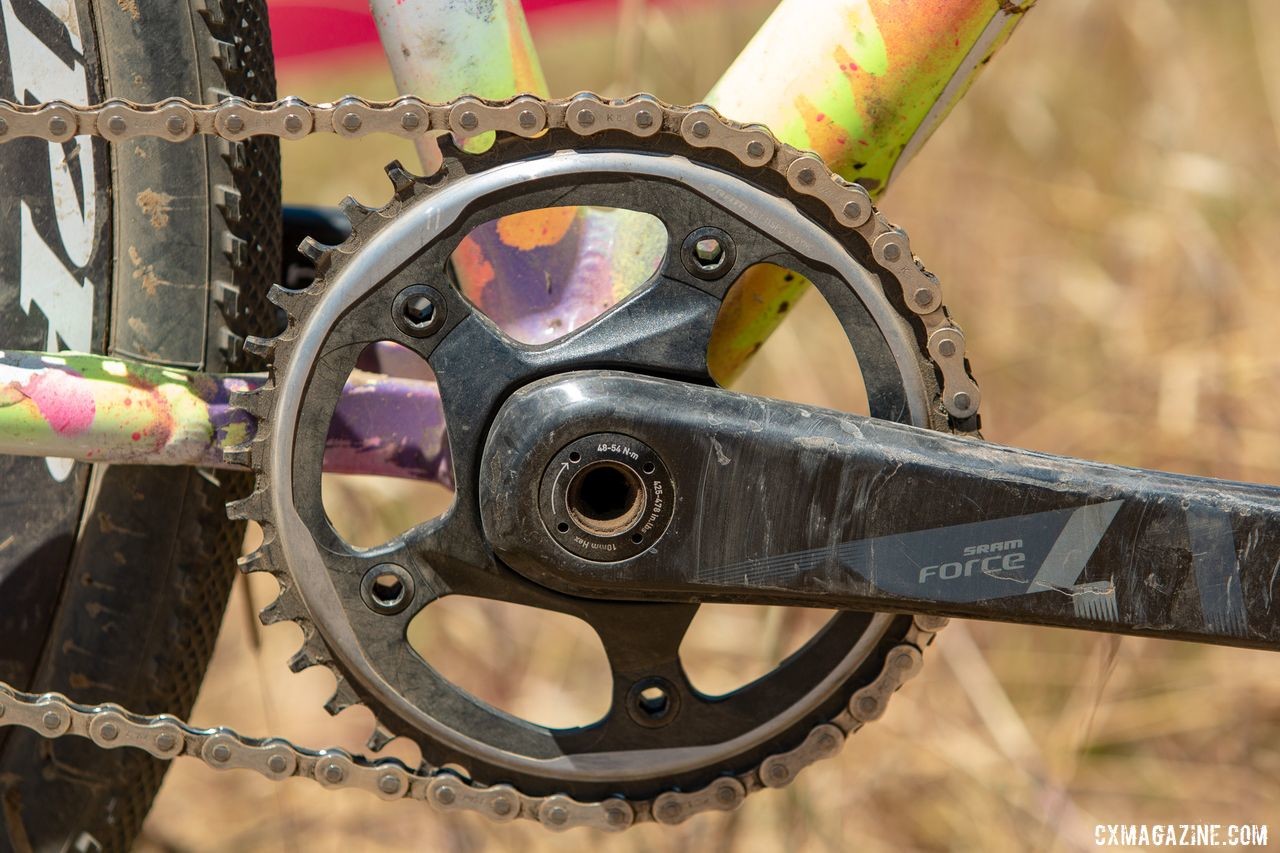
[111, 727]
[108, 726]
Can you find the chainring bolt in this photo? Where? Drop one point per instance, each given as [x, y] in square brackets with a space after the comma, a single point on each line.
[709, 252]
[419, 310]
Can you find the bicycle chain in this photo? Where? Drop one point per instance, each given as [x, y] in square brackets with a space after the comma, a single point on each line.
[163, 736]
[111, 727]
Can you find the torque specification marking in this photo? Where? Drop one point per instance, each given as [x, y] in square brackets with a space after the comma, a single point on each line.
[619, 450]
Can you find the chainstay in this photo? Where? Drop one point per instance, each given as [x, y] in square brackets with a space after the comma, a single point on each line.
[527, 116]
[111, 727]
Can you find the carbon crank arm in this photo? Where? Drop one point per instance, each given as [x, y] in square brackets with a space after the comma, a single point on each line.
[654, 489]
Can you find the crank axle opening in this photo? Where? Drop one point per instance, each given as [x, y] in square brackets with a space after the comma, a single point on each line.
[606, 498]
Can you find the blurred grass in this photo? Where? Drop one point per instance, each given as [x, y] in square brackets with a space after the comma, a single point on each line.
[1104, 211]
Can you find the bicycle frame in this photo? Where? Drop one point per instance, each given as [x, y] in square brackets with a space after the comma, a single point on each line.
[867, 82]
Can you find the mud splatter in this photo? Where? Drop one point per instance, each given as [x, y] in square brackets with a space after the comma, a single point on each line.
[130, 8]
[145, 274]
[156, 206]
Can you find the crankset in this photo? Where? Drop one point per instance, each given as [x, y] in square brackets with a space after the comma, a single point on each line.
[604, 475]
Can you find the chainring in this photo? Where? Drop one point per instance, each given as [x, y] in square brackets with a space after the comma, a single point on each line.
[693, 171]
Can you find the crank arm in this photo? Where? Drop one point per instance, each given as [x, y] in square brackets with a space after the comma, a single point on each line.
[752, 500]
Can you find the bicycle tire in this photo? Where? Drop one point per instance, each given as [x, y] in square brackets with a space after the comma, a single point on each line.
[121, 577]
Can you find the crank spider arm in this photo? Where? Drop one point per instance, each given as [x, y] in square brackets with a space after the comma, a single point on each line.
[752, 500]
[109, 410]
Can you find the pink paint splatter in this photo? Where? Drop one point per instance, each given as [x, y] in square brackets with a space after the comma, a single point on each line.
[65, 403]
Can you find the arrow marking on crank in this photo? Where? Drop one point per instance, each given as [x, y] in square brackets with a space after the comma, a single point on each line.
[564, 466]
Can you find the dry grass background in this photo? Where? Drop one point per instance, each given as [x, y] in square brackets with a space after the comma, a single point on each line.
[1104, 213]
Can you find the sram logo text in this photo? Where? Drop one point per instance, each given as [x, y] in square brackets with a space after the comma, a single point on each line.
[993, 558]
[994, 547]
